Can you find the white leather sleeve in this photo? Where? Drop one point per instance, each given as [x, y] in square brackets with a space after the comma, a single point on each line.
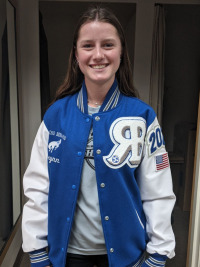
[157, 195]
[36, 188]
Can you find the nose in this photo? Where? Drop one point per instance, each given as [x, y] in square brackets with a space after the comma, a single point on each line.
[98, 53]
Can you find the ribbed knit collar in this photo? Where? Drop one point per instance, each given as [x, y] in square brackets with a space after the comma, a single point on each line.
[112, 98]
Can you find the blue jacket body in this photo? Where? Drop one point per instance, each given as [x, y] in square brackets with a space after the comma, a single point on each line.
[127, 143]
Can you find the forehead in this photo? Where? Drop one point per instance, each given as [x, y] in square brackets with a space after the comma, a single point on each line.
[97, 30]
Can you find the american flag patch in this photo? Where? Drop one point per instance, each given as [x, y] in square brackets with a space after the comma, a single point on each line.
[162, 162]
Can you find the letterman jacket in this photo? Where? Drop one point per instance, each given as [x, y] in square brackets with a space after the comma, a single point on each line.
[133, 179]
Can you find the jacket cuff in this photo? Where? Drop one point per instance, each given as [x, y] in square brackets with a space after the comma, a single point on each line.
[155, 260]
[39, 258]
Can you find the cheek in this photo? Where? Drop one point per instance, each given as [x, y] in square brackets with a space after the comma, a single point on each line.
[115, 56]
[83, 62]
[116, 60]
[82, 57]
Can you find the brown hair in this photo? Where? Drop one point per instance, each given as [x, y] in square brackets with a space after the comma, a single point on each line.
[74, 77]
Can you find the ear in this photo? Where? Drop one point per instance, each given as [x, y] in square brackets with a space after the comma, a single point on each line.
[76, 58]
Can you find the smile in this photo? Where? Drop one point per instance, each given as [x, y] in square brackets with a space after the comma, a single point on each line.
[99, 66]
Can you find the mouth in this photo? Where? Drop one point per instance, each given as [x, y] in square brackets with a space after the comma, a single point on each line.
[99, 66]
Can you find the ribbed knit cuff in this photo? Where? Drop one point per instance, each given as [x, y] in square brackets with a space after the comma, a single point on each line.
[39, 258]
[155, 260]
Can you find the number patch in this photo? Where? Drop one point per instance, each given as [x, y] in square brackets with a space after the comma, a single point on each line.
[155, 140]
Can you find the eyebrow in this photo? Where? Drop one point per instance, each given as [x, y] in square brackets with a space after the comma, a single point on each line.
[104, 40]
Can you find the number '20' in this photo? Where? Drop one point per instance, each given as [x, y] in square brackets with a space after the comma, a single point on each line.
[156, 140]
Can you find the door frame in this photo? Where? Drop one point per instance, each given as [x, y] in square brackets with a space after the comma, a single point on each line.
[193, 251]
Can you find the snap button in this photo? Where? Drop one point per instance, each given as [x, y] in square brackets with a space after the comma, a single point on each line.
[111, 250]
[98, 151]
[102, 185]
[79, 153]
[87, 119]
[68, 219]
[97, 118]
[106, 218]
[73, 186]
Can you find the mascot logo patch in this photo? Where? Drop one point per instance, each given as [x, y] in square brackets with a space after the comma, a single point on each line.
[127, 134]
[54, 145]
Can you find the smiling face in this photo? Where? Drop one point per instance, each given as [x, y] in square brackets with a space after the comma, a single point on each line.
[98, 52]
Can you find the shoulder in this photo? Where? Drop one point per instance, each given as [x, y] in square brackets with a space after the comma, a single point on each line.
[141, 108]
[140, 104]
[57, 108]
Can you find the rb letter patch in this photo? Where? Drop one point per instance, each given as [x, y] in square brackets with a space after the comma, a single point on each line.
[127, 134]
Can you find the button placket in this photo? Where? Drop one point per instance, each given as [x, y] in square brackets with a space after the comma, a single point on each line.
[102, 185]
[97, 118]
[98, 151]
[73, 186]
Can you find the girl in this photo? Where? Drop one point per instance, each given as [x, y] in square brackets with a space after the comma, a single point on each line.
[99, 185]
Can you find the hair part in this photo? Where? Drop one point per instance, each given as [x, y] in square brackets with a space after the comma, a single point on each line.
[74, 77]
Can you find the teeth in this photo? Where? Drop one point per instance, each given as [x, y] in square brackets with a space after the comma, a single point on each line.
[98, 66]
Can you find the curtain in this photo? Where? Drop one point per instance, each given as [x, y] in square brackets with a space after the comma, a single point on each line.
[157, 62]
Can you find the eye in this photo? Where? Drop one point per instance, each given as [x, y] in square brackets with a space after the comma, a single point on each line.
[87, 46]
[108, 45]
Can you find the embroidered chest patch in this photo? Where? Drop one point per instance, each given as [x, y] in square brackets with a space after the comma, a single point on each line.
[127, 135]
[54, 145]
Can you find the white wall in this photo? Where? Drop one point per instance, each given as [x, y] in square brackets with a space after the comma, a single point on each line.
[29, 75]
[143, 47]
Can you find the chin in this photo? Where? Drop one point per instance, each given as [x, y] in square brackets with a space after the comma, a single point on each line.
[102, 80]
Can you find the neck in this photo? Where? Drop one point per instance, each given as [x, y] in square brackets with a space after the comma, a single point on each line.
[97, 92]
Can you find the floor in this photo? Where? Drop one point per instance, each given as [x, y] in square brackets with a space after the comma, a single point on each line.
[1, 243]
[24, 261]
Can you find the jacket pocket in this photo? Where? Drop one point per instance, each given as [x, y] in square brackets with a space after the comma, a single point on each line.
[139, 219]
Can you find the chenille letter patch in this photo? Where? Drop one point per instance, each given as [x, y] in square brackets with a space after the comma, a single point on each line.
[127, 135]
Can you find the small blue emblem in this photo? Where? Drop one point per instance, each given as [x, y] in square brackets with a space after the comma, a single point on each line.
[115, 159]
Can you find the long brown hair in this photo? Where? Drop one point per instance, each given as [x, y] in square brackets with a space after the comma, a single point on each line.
[74, 77]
